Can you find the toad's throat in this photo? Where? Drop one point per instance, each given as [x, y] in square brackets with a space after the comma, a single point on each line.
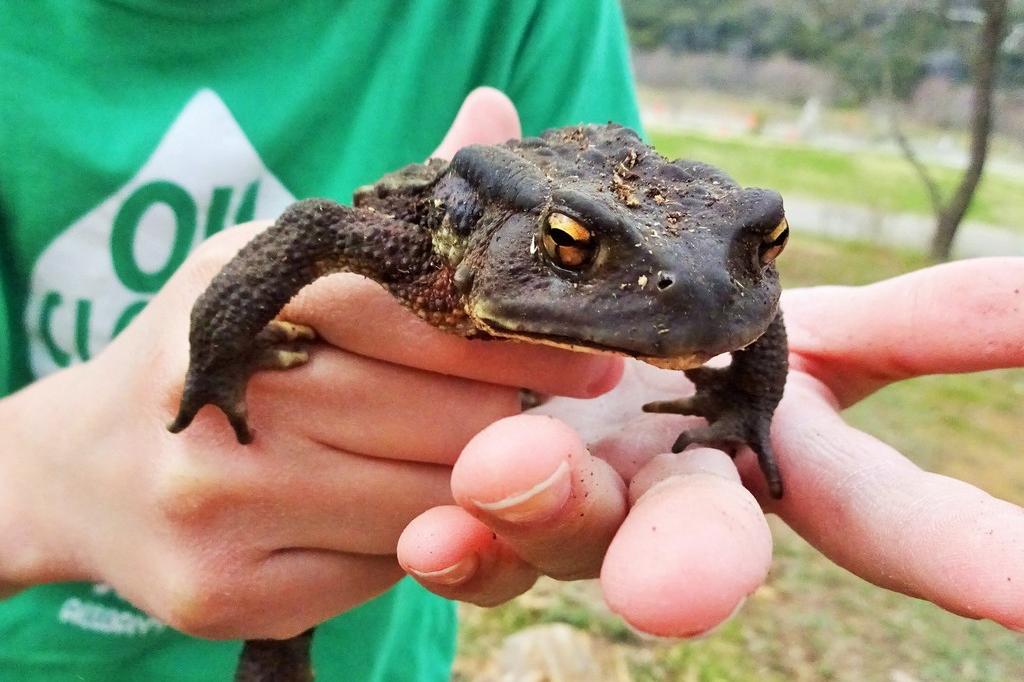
[682, 361]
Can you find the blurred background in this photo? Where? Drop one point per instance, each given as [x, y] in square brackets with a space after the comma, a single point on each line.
[895, 131]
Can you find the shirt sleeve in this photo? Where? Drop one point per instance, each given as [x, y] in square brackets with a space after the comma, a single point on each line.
[573, 67]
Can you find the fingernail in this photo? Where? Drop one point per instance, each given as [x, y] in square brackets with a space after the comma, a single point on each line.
[455, 574]
[540, 502]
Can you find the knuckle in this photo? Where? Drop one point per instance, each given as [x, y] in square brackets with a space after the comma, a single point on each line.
[188, 495]
[218, 599]
[201, 603]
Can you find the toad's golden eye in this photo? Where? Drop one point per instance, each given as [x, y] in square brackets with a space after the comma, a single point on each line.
[774, 242]
[566, 242]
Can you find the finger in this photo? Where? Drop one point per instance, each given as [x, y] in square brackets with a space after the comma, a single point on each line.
[629, 448]
[376, 499]
[875, 513]
[693, 460]
[531, 480]
[332, 303]
[958, 317]
[377, 408]
[487, 116]
[693, 546]
[291, 493]
[288, 592]
[455, 555]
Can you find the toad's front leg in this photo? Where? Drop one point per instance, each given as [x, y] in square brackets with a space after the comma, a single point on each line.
[233, 332]
[738, 401]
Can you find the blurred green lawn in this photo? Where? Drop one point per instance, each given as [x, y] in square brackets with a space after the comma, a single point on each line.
[813, 621]
[882, 181]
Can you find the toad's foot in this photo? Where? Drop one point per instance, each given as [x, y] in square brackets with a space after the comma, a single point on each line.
[232, 332]
[732, 422]
[738, 401]
[276, 660]
[278, 346]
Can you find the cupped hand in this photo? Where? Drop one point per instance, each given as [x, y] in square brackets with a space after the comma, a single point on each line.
[222, 540]
[679, 542]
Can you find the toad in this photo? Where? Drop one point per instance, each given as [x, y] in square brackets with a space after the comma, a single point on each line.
[584, 238]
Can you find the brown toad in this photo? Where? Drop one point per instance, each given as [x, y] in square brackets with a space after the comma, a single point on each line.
[584, 238]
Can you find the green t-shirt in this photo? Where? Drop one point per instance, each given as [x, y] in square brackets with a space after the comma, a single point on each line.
[130, 130]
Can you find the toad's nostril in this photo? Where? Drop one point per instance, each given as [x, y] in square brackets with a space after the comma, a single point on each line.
[665, 281]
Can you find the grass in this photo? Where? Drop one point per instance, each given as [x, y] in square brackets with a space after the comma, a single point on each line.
[880, 181]
[812, 620]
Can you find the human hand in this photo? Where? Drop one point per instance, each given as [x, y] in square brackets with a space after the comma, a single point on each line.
[221, 540]
[864, 505]
[677, 541]
[693, 542]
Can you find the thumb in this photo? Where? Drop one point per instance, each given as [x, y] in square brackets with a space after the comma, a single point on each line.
[487, 116]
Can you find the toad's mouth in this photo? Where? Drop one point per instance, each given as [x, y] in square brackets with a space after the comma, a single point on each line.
[680, 361]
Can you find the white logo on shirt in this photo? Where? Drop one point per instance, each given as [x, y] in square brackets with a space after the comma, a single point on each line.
[90, 282]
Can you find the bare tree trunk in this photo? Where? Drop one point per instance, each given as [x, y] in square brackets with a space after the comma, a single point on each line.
[932, 187]
[986, 65]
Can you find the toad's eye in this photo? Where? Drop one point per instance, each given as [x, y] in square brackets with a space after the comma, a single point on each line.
[774, 242]
[566, 242]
